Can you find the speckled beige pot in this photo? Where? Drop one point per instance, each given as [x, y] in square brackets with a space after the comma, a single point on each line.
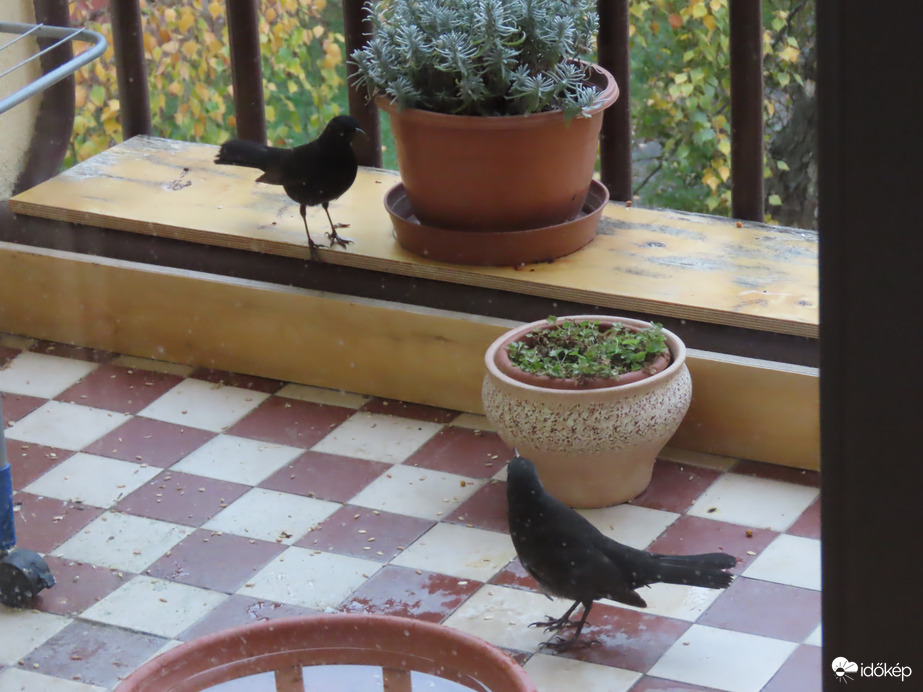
[592, 447]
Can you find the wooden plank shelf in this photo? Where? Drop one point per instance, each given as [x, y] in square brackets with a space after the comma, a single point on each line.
[653, 262]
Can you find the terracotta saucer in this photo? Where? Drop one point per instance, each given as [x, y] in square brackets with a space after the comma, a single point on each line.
[495, 248]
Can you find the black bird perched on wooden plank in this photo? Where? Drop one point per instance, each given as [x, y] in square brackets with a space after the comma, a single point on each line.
[314, 173]
[571, 558]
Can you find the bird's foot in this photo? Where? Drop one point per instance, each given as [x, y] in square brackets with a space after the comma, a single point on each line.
[554, 624]
[314, 248]
[338, 239]
[560, 644]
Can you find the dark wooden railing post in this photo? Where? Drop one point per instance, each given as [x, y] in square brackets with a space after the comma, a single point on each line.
[615, 140]
[246, 69]
[746, 109]
[357, 29]
[130, 68]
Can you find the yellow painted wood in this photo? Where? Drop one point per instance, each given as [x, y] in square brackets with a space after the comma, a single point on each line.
[755, 409]
[741, 407]
[655, 262]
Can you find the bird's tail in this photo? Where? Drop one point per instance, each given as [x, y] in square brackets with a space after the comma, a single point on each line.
[695, 570]
[240, 152]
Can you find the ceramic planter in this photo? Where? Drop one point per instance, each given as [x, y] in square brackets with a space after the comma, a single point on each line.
[593, 447]
[275, 651]
[503, 173]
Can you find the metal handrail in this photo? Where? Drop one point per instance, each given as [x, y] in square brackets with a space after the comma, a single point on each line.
[43, 31]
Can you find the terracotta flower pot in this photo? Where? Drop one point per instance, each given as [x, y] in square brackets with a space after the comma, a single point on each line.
[504, 173]
[593, 447]
[277, 650]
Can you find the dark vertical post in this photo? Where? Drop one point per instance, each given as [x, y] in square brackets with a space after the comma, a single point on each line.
[746, 109]
[130, 68]
[615, 139]
[869, 151]
[357, 28]
[246, 70]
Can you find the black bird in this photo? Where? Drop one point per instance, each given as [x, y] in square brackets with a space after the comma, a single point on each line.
[571, 558]
[314, 173]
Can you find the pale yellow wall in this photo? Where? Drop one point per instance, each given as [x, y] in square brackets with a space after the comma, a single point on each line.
[17, 124]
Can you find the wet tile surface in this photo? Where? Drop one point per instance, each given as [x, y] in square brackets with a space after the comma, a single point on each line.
[173, 502]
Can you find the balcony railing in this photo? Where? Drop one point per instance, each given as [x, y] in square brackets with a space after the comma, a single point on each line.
[615, 142]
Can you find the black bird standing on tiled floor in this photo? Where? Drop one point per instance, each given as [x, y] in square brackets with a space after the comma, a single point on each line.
[314, 173]
[571, 558]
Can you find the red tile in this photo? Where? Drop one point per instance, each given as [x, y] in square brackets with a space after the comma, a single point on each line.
[460, 450]
[233, 379]
[290, 422]
[16, 406]
[802, 671]
[624, 638]
[148, 441]
[7, 354]
[649, 684]
[93, 653]
[181, 498]
[808, 524]
[326, 476]
[674, 487]
[775, 472]
[91, 355]
[406, 592]
[29, 461]
[348, 532]
[690, 535]
[44, 523]
[241, 610]
[486, 509]
[767, 609]
[393, 407]
[77, 586]
[220, 562]
[515, 575]
[117, 388]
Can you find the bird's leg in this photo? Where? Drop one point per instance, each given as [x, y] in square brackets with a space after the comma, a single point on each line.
[554, 624]
[311, 244]
[559, 643]
[333, 236]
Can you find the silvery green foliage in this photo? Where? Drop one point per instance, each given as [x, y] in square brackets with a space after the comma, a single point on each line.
[479, 57]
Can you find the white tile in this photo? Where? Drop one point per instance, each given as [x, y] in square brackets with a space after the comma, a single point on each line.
[310, 578]
[630, 524]
[93, 480]
[417, 492]
[136, 363]
[472, 421]
[556, 673]
[155, 606]
[204, 405]
[21, 631]
[816, 637]
[38, 374]
[237, 459]
[789, 560]
[757, 502]
[270, 515]
[122, 541]
[723, 659]
[19, 680]
[67, 426]
[377, 437]
[674, 601]
[459, 551]
[686, 456]
[319, 395]
[502, 615]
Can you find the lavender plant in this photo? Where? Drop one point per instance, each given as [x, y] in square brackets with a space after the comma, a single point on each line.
[480, 57]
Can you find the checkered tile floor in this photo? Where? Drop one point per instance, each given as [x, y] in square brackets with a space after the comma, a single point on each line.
[172, 502]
